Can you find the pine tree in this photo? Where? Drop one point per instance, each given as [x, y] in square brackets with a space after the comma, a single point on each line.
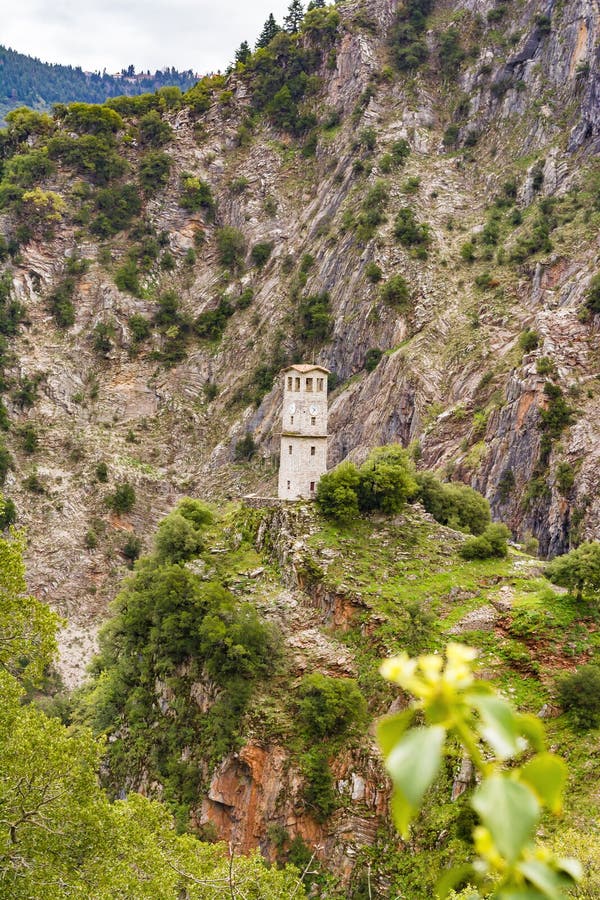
[270, 29]
[243, 52]
[315, 4]
[294, 17]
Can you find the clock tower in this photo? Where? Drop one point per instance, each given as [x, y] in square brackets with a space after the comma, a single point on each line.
[304, 431]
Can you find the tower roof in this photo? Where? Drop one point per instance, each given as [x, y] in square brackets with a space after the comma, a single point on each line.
[306, 367]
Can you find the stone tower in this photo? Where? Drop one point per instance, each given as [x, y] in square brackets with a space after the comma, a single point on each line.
[304, 431]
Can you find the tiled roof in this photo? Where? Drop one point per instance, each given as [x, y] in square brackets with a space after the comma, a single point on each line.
[305, 367]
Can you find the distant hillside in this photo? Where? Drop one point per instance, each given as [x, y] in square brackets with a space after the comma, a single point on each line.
[26, 81]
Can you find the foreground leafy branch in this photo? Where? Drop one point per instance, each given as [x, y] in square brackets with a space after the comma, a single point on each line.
[509, 801]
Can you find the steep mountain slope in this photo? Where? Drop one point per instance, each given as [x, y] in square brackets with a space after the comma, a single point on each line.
[488, 341]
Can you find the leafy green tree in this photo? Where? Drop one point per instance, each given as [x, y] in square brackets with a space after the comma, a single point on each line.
[579, 694]
[123, 499]
[231, 245]
[154, 171]
[337, 493]
[269, 30]
[387, 480]
[293, 18]
[579, 571]
[592, 300]
[154, 131]
[396, 293]
[455, 505]
[330, 707]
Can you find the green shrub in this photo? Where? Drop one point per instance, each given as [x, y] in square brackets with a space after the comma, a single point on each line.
[578, 571]
[123, 498]
[6, 463]
[565, 477]
[211, 323]
[29, 438]
[373, 272]
[60, 302]
[195, 195]
[579, 694]
[592, 299]
[154, 131]
[387, 480]
[492, 543]
[155, 168]
[180, 535]
[372, 210]
[140, 328]
[372, 358]
[337, 493]
[408, 231]
[102, 472]
[245, 448]
[8, 513]
[455, 505]
[127, 278]
[329, 707]
[314, 319]
[132, 548]
[231, 245]
[117, 206]
[395, 293]
[103, 335]
[319, 791]
[260, 253]
[408, 46]
[528, 340]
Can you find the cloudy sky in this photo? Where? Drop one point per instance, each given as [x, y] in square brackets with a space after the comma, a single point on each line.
[96, 34]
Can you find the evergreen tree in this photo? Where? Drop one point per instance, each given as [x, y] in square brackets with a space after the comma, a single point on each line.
[294, 17]
[315, 4]
[270, 29]
[243, 52]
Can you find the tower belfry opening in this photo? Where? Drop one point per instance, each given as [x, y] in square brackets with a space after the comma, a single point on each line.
[303, 457]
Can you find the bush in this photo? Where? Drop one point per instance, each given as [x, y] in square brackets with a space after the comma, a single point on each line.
[260, 253]
[196, 194]
[329, 707]
[528, 340]
[315, 322]
[372, 212]
[579, 694]
[387, 480]
[132, 548]
[455, 505]
[408, 230]
[6, 463]
[372, 358]
[319, 791]
[231, 245]
[180, 534]
[592, 299]
[116, 206]
[154, 132]
[123, 498]
[127, 278]
[395, 293]
[8, 514]
[492, 543]
[373, 272]
[245, 448]
[29, 438]
[60, 302]
[140, 328]
[102, 472]
[154, 171]
[578, 571]
[337, 493]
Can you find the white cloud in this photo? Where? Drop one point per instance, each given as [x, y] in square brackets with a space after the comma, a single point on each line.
[189, 34]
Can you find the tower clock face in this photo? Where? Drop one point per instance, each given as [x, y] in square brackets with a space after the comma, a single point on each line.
[313, 410]
[292, 409]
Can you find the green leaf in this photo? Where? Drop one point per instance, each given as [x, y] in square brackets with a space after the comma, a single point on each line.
[545, 879]
[518, 894]
[413, 764]
[532, 729]
[498, 725]
[509, 811]
[546, 774]
[391, 728]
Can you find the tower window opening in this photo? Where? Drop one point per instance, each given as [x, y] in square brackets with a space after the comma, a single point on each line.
[312, 487]
[296, 384]
[291, 420]
[289, 383]
[320, 384]
[309, 384]
[290, 450]
[313, 450]
[288, 485]
[313, 420]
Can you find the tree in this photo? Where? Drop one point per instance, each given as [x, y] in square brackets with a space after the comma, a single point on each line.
[243, 53]
[579, 571]
[270, 29]
[337, 493]
[293, 20]
[386, 480]
[315, 4]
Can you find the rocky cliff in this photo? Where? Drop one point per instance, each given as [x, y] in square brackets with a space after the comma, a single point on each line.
[489, 143]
